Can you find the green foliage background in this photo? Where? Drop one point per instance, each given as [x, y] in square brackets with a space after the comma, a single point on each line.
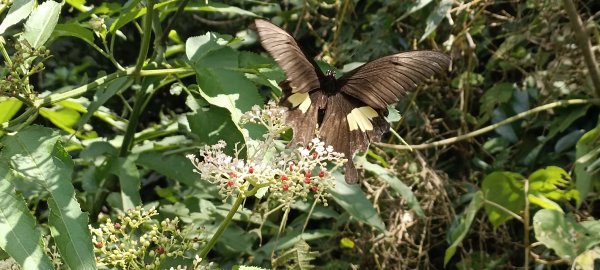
[101, 100]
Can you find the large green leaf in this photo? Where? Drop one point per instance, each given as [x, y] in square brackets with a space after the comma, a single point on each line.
[505, 189]
[459, 232]
[355, 202]
[563, 234]
[18, 235]
[36, 154]
[213, 124]
[41, 23]
[587, 154]
[18, 11]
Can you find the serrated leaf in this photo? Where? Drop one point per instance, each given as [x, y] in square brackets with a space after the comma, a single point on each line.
[505, 189]
[435, 18]
[18, 11]
[41, 23]
[553, 183]
[37, 155]
[18, 235]
[537, 198]
[458, 234]
[355, 202]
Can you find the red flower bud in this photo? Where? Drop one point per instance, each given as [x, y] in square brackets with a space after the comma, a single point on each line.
[286, 187]
[160, 250]
[232, 174]
[99, 244]
[118, 226]
[291, 167]
[308, 174]
[230, 183]
[284, 178]
[321, 173]
[307, 180]
[315, 188]
[251, 169]
[315, 155]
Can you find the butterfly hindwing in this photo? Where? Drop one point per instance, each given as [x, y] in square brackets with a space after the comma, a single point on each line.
[350, 125]
[383, 81]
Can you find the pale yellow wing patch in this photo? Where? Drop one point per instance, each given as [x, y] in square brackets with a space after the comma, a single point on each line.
[360, 118]
[300, 99]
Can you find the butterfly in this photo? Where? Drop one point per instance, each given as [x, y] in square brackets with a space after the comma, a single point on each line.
[348, 112]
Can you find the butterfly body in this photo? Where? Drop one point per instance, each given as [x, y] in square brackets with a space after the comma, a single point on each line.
[348, 112]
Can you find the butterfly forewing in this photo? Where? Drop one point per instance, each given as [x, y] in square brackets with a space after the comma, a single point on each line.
[301, 72]
[383, 81]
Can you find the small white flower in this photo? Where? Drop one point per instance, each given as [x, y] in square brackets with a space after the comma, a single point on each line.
[304, 152]
[315, 141]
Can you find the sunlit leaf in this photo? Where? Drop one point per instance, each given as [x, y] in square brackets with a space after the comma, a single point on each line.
[18, 11]
[41, 23]
[506, 190]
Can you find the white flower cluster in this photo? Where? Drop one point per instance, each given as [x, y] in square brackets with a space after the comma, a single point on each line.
[287, 174]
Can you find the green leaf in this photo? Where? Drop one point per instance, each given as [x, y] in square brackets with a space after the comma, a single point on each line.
[41, 23]
[18, 235]
[587, 260]
[459, 232]
[74, 30]
[553, 183]
[505, 189]
[537, 198]
[499, 93]
[63, 118]
[228, 89]
[394, 182]
[220, 8]
[128, 13]
[102, 95]
[79, 5]
[213, 124]
[564, 118]
[37, 156]
[585, 179]
[8, 108]
[414, 6]
[435, 18]
[129, 179]
[563, 234]
[18, 11]
[175, 167]
[355, 202]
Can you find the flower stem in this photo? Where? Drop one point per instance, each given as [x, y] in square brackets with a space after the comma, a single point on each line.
[213, 240]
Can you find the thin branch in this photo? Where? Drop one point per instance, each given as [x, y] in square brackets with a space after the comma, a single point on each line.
[484, 130]
[584, 44]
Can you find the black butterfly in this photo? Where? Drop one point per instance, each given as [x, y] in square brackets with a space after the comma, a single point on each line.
[348, 112]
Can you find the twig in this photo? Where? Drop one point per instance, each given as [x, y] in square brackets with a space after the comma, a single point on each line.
[584, 44]
[489, 128]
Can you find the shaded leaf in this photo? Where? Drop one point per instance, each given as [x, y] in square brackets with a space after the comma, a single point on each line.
[18, 11]
[505, 189]
[355, 202]
[466, 219]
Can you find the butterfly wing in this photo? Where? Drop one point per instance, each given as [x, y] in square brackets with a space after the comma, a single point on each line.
[302, 73]
[350, 125]
[383, 81]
